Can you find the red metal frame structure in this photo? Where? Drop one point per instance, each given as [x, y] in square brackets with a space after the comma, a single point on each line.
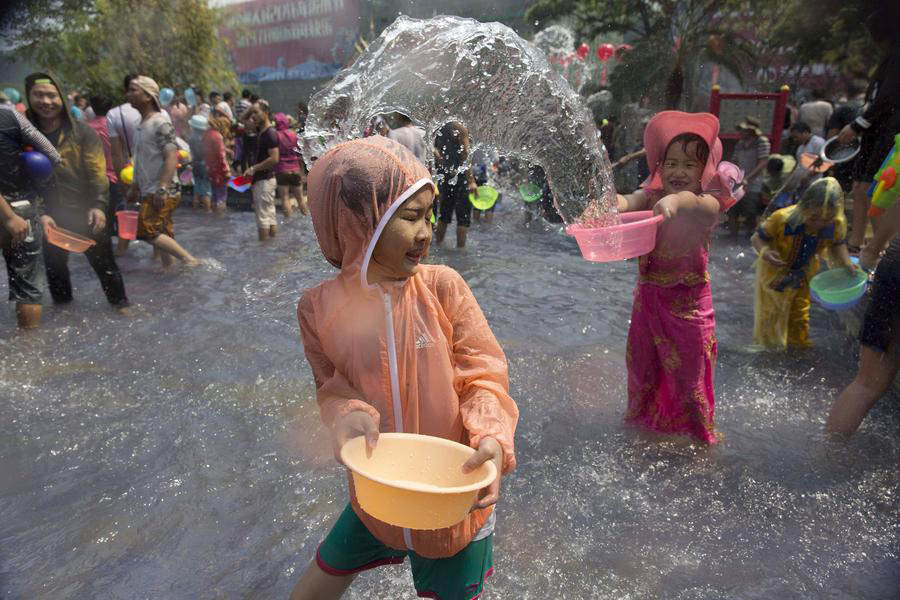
[731, 108]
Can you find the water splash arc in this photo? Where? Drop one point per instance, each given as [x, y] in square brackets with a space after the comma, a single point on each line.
[485, 76]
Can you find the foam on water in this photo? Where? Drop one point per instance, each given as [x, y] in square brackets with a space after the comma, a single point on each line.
[485, 76]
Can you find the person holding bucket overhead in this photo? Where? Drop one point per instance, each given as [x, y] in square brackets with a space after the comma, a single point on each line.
[789, 244]
[671, 350]
[397, 346]
[79, 199]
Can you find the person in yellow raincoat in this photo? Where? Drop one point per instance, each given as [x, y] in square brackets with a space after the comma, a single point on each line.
[790, 243]
[399, 346]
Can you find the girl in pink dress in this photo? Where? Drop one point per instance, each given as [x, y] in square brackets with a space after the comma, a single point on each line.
[671, 351]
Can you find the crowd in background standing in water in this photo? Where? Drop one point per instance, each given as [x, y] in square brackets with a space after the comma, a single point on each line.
[163, 143]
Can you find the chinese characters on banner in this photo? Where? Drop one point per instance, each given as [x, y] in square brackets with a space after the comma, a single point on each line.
[275, 40]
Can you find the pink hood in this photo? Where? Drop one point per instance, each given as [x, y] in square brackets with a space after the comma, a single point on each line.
[374, 175]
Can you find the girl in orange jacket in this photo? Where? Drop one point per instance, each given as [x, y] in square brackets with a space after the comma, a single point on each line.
[398, 346]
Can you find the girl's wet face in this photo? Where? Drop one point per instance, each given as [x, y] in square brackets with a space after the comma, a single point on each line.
[404, 242]
[681, 169]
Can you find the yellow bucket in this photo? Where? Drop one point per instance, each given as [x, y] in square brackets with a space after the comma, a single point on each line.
[415, 481]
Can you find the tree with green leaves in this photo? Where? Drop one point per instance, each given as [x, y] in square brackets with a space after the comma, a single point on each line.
[673, 38]
[670, 39]
[92, 44]
[832, 33]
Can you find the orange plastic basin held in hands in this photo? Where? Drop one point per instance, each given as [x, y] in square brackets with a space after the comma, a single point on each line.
[415, 481]
[68, 240]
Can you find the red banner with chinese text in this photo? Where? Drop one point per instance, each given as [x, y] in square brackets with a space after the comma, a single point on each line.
[274, 40]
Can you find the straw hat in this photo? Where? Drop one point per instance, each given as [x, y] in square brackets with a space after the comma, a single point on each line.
[751, 124]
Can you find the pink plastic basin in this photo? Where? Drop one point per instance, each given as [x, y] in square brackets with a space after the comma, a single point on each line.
[635, 236]
[128, 222]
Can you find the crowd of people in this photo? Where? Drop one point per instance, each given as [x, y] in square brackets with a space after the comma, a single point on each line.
[135, 156]
[424, 358]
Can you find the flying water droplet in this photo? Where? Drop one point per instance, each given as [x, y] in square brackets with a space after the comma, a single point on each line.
[510, 99]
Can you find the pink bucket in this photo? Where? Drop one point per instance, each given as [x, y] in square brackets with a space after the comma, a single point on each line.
[128, 222]
[635, 236]
[733, 175]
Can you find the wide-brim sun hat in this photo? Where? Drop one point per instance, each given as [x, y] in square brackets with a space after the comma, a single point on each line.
[669, 124]
[199, 122]
[749, 124]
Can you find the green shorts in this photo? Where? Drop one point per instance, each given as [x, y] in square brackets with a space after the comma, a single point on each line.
[350, 548]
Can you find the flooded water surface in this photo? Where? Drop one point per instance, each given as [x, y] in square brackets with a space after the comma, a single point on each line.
[179, 454]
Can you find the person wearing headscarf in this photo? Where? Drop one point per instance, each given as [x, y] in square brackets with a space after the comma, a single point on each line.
[789, 244]
[79, 200]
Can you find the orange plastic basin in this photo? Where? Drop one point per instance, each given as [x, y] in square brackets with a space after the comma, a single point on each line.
[68, 240]
[415, 481]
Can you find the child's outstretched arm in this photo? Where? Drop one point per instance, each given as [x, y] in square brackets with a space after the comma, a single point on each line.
[488, 413]
[341, 407]
[703, 207]
[636, 200]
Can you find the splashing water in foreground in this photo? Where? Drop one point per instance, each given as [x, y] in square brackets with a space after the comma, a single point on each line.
[488, 78]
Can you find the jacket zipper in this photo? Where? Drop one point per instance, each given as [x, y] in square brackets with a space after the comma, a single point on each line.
[395, 382]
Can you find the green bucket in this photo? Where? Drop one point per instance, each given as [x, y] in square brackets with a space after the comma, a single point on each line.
[486, 198]
[838, 286]
[529, 192]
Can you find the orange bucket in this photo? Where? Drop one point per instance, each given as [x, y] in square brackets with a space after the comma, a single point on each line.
[68, 240]
[128, 222]
[415, 481]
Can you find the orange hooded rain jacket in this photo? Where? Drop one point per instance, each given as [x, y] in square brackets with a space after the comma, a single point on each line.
[417, 354]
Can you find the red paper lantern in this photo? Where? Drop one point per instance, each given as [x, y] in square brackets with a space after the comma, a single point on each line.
[583, 51]
[605, 52]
